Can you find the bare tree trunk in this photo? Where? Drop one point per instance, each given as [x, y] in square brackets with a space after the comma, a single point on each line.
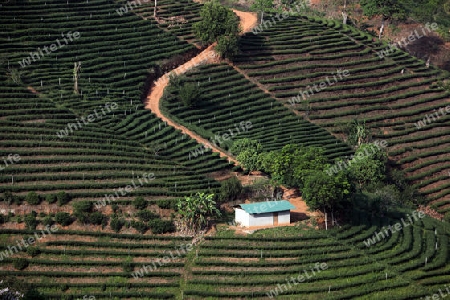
[76, 75]
[381, 29]
[344, 13]
[344, 17]
[155, 8]
[262, 17]
[326, 221]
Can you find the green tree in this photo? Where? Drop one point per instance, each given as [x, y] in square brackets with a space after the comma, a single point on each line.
[30, 221]
[146, 215]
[51, 198]
[230, 189]
[139, 203]
[247, 152]
[195, 210]
[116, 224]
[292, 163]
[33, 251]
[96, 218]
[189, 93]
[139, 226]
[216, 21]
[159, 226]
[63, 198]
[323, 192]
[63, 218]
[227, 46]
[48, 220]
[20, 263]
[368, 165]
[262, 6]
[32, 198]
[9, 198]
[82, 206]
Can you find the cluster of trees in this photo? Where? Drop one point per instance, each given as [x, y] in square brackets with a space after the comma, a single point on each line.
[304, 168]
[32, 198]
[420, 10]
[145, 219]
[84, 213]
[218, 25]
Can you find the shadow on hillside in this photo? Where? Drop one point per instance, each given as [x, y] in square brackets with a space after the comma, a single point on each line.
[425, 46]
[297, 216]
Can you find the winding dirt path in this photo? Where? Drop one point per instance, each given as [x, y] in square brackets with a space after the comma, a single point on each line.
[248, 21]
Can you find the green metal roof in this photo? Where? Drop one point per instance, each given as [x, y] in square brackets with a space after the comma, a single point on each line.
[266, 207]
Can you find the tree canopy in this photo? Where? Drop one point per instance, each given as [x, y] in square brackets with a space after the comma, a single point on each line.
[368, 165]
[293, 163]
[247, 152]
[323, 192]
[388, 9]
[216, 21]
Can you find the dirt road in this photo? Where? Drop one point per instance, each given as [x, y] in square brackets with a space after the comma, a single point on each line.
[248, 20]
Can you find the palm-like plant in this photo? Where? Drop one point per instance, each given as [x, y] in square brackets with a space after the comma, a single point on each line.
[196, 210]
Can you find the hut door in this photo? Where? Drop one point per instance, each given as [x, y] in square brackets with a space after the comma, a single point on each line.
[275, 218]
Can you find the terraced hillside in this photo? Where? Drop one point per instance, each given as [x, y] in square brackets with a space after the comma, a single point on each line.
[228, 99]
[89, 158]
[408, 264]
[91, 142]
[175, 17]
[391, 94]
[74, 264]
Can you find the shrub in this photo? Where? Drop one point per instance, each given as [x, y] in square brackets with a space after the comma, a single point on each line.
[141, 227]
[140, 203]
[62, 198]
[96, 218]
[64, 287]
[189, 94]
[8, 197]
[30, 221]
[230, 189]
[32, 198]
[48, 220]
[20, 263]
[115, 207]
[166, 204]
[159, 226]
[146, 215]
[83, 218]
[116, 224]
[17, 200]
[82, 206]
[63, 218]
[51, 198]
[33, 251]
